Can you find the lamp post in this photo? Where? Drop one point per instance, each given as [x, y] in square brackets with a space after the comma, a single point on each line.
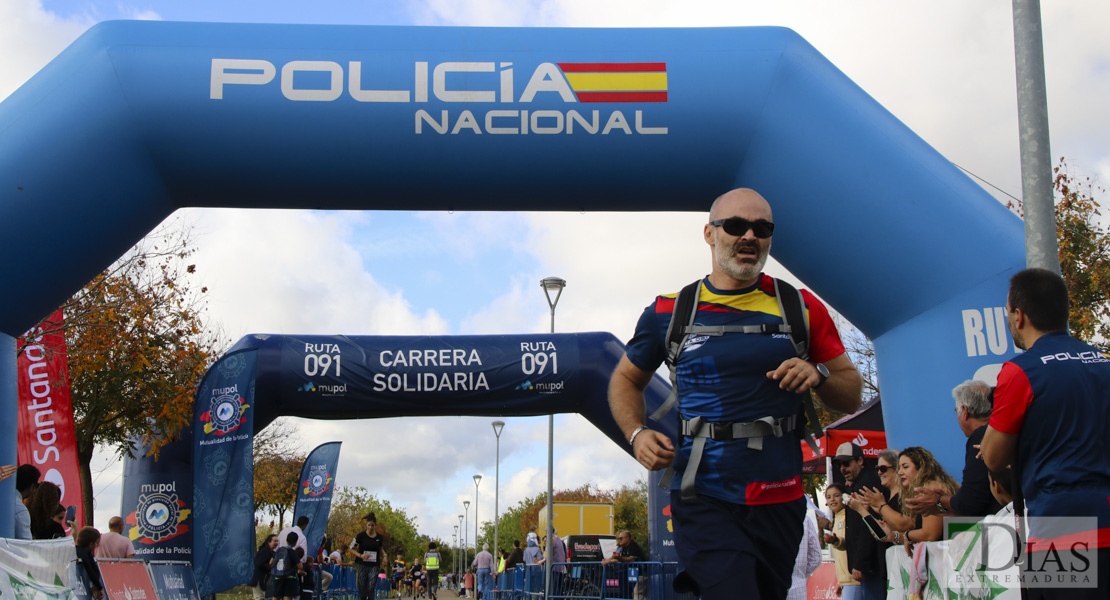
[466, 505]
[549, 285]
[497, 427]
[462, 535]
[455, 544]
[477, 478]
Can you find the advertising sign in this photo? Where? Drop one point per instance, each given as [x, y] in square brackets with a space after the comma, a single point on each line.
[314, 492]
[397, 371]
[46, 436]
[157, 501]
[223, 483]
[126, 580]
[173, 581]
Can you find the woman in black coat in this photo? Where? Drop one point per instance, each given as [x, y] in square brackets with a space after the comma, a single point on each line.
[260, 582]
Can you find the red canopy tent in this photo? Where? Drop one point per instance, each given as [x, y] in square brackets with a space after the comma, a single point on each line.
[865, 428]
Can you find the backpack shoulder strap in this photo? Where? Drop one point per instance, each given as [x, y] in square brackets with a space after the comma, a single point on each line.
[682, 316]
[792, 307]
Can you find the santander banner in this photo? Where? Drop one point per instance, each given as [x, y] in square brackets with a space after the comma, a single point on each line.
[46, 436]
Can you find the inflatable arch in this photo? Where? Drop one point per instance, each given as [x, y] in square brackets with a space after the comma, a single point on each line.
[137, 119]
[350, 377]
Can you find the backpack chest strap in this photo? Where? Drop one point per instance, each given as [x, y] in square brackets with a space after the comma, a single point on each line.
[716, 330]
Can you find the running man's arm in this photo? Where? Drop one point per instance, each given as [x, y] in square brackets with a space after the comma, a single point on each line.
[626, 401]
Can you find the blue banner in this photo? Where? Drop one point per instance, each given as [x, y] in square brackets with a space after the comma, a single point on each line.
[660, 525]
[314, 492]
[173, 581]
[223, 484]
[397, 373]
[157, 499]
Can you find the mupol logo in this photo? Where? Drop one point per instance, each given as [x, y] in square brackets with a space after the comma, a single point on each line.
[318, 482]
[159, 515]
[485, 82]
[225, 413]
[542, 388]
[327, 390]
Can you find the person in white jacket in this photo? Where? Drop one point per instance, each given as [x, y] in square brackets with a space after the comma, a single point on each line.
[809, 556]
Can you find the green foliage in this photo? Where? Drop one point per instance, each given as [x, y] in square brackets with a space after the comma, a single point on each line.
[138, 344]
[629, 512]
[1084, 256]
[349, 505]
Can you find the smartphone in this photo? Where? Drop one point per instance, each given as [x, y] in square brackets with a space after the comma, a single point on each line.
[71, 513]
[874, 527]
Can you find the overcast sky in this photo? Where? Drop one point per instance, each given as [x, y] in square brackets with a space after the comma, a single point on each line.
[945, 68]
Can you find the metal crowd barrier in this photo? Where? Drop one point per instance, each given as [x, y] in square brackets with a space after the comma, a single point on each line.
[344, 584]
[591, 581]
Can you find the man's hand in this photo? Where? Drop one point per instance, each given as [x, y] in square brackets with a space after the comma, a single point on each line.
[795, 375]
[924, 502]
[857, 575]
[653, 450]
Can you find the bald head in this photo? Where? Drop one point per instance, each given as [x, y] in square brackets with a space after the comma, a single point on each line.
[741, 202]
[115, 524]
[738, 257]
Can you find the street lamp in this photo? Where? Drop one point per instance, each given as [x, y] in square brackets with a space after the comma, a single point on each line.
[477, 478]
[466, 505]
[497, 427]
[549, 285]
[462, 537]
[455, 542]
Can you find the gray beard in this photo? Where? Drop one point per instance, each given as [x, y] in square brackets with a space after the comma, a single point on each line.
[726, 260]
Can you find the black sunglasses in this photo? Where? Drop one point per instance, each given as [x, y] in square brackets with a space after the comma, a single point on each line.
[882, 469]
[738, 227]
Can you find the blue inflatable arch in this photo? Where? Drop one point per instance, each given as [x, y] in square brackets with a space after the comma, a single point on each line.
[137, 119]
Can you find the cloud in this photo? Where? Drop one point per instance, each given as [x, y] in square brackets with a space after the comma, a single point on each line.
[274, 271]
[30, 37]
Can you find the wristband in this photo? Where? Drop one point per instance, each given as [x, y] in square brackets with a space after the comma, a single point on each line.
[632, 438]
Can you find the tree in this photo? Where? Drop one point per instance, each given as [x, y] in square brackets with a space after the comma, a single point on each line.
[349, 505]
[138, 345]
[629, 512]
[278, 460]
[275, 485]
[1084, 256]
[1084, 253]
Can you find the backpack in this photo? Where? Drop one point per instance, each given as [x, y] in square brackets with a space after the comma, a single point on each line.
[285, 563]
[795, 324]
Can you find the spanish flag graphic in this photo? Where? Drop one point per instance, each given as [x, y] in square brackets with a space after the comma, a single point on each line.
[617, 82]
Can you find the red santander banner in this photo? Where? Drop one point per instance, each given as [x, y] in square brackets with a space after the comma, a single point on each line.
[46, 436]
